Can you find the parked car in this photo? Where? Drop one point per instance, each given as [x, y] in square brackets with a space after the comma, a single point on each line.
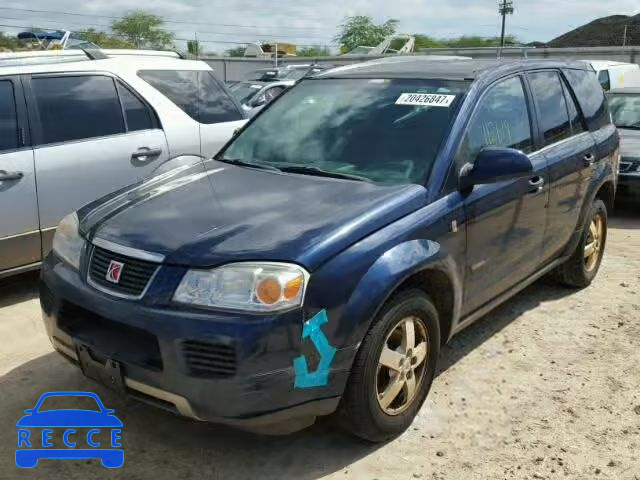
[625, 111]
[320, 268]
[289, 72]
[252, 95]
[75, 126]
[612, 75]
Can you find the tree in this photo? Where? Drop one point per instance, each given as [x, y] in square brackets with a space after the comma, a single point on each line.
[235, 51]
[314, 51]
[143, 30]
[465, 41]
[360, 30]
[8, 43]
[104, 40]
[425, 41]
[475, 41]
[194, 48]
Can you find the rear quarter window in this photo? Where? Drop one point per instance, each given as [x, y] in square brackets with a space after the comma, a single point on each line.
[590, 96]
[196, 93]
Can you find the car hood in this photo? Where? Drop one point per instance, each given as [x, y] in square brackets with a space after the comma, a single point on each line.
[215, 213]
[69, 418]
[629, 142]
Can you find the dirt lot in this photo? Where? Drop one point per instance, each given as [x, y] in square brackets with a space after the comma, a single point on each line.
[545, 387]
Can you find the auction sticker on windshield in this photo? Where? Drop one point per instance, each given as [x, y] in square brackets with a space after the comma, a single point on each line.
[425, 99]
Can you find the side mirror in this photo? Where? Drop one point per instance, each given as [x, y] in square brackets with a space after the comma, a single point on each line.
[259, 100]
[494, 165]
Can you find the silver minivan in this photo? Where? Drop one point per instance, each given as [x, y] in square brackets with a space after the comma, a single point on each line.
[77, 125]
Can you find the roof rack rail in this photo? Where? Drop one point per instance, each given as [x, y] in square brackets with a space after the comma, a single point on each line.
[40, 57]
[94, 53]
[123, 52]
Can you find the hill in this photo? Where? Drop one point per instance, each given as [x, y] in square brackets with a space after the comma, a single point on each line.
[603, 32]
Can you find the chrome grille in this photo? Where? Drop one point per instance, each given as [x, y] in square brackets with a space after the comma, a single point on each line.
[134, 277]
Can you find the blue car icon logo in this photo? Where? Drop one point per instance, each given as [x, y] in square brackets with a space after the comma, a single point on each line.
[85, 433]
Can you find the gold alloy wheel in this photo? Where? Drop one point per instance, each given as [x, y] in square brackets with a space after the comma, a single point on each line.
[402, 365]
[593, 246]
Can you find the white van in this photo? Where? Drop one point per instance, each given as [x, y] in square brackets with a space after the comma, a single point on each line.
[616, 74]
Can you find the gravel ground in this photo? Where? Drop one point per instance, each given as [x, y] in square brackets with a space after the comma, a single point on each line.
[547, 386]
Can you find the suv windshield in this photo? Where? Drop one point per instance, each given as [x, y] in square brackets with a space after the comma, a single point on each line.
[386, 131]
[625, 109]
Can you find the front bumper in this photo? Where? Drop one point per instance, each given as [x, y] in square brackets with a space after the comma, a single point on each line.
[253, 387]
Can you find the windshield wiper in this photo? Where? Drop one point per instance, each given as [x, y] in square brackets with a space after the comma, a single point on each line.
[243, 163]
[322, 173]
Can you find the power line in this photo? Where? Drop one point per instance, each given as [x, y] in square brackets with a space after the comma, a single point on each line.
[199, 32]
[165, 21]
[118, 35]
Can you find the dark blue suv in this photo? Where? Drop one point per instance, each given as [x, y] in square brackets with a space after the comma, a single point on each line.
[319, 262]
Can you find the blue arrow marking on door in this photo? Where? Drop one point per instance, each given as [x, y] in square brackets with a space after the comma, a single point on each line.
[319, 378]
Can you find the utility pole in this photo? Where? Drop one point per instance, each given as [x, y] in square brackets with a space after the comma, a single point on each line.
[624, 36]
[505, 7]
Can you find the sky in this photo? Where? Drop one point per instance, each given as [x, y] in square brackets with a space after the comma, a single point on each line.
[221, 24]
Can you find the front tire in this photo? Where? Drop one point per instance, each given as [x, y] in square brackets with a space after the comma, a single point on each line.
[583, 265]
[394, 368]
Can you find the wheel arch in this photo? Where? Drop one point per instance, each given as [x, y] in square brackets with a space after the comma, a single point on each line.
[418, 264]
[607, 193]
[604, 188]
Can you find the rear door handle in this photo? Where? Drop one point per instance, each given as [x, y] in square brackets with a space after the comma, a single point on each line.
[7, 176]
[536, 184]
[144, 153]
[589, 158]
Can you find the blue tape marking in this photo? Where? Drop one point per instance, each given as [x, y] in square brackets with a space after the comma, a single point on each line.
[319, 378]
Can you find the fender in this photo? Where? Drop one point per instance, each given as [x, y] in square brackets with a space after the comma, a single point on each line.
[388, 272]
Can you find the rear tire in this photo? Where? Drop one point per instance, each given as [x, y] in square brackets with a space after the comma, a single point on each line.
[380, 402]
[583, 265]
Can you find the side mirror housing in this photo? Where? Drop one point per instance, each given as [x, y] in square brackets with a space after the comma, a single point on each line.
[494, 165]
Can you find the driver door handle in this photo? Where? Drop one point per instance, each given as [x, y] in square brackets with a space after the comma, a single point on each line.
[536, 184]
[6, 176]
[143, 154]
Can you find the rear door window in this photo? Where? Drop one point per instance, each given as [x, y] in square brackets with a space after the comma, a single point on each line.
[552, 107]
[137, 113]
[197, 93]
[77, 107]
[8, 117]
[575, 117]
[590, 96]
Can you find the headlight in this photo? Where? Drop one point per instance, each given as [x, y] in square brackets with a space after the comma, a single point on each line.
[67, 242]
[257, 287]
